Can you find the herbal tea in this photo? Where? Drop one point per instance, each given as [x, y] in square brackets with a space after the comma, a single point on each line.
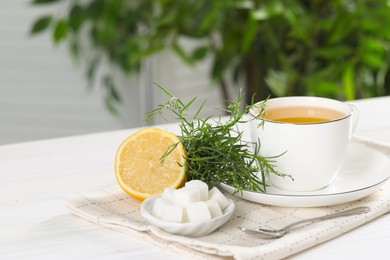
[302, 114]
[312, 145]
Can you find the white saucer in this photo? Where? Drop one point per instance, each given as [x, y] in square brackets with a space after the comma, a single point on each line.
[363, 172]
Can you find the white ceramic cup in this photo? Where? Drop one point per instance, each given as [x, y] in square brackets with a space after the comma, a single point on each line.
[313, 152]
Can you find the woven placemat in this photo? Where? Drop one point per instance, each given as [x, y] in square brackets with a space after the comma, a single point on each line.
[114, 209]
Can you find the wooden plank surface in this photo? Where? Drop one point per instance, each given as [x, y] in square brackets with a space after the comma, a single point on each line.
[35, 224]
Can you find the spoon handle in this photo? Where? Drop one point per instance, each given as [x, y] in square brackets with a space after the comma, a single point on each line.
[349, 212]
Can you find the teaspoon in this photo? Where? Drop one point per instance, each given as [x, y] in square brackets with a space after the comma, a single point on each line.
[276, 233]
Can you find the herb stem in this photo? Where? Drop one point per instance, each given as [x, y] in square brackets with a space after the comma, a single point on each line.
[215, 150]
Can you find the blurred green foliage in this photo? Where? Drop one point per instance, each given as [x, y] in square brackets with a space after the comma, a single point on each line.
[332, 48]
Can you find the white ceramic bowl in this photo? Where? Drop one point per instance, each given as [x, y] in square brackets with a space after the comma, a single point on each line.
[191, 229]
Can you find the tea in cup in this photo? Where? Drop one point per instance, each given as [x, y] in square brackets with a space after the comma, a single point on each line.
[311, 135]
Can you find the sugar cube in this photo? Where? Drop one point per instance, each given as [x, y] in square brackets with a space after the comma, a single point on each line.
[214, 208]
[201, 186]
[172, 213]
[157, 209]
[217, 195]
[191, 203]
[185, 215]
[185, 196]
[198, 211]
[168, 194]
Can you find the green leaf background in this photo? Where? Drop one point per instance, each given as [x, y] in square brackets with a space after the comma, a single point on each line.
[332, 48]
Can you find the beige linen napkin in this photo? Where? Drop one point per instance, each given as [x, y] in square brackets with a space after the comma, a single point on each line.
[114, 209]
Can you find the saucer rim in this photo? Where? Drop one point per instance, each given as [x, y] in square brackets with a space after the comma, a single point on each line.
[311, 199]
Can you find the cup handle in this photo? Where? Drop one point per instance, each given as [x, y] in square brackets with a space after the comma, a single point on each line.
[355, 115]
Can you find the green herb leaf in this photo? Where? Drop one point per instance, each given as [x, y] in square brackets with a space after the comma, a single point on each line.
[41, 24]
[60, 31]
[215, 150]
[199, 53]
[44, 1]
[77, 16]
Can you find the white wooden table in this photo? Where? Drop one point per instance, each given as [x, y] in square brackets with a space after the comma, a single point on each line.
[34, 176]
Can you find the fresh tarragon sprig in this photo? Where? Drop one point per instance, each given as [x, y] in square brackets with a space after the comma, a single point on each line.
[215, 150]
